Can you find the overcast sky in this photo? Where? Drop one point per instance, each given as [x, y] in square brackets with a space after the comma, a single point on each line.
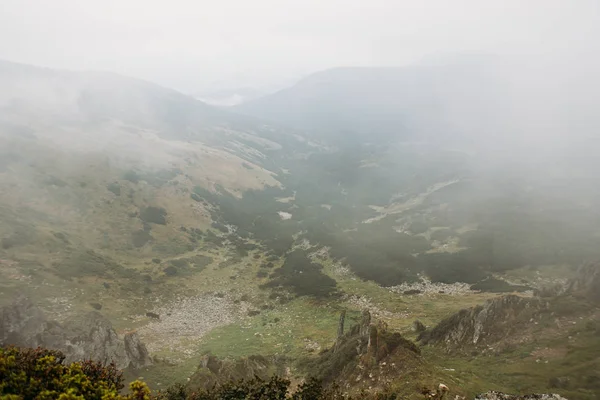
[208, 44]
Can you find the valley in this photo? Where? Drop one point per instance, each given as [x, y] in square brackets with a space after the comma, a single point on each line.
[227, 240]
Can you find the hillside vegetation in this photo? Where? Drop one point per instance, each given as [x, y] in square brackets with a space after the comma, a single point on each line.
[230, 243]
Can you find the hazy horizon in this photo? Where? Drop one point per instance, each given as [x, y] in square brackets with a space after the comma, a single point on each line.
[206, 47]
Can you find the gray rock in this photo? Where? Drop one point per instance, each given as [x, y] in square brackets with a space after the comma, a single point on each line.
[213, 371]
[485, 324]
[136, 350]
[587, 282]
[493, 395]
[21, 323]
[90, 336]
[365, 323]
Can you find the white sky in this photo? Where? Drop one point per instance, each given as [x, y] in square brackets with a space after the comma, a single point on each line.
[197, 45]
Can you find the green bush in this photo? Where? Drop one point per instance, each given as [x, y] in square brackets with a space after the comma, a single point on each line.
[275, 388]
[493, 285]
[180, 263]
[132, 176]
[154, 215]
[303, 277]
[140, 238]
[41, 374]
[89, 263]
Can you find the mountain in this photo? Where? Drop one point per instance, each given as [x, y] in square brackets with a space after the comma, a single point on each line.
[98, 173]
[233, 241]
[473, 101]
[382, 103]
[230, 97]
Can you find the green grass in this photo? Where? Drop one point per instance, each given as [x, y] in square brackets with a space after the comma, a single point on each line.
[429, 309]
[519, 370]
[282, 331]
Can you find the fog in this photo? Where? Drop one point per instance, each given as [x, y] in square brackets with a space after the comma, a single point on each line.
[208, 46]
[208, 191]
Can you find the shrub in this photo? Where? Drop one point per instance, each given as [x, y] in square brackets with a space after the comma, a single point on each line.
[154, 215]
[180, 263]
[494, 285]
[89, 263]
[40, 373]
[132, 176]
[200, 261]
[220, 227]
[303, 277]
[262, 274]
[140, 238]
[115, 188]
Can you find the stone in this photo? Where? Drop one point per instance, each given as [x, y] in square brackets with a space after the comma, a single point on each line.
[88, 336]
[136, 351]
[365, 323]
[481, 324]
[493, 395]
[586, 282]
[21, 322]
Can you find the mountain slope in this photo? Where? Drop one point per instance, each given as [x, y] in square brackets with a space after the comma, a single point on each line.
[468, 164]
[416, 102]
[212, 232]
[98, 173]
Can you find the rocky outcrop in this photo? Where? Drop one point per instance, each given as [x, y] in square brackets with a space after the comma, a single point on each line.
[136, 350]
[212, 371]
[368, 356]
[493, 395]
[491, 322]
[587, 282]
[340, 332]
[22, 323]
[90, 336]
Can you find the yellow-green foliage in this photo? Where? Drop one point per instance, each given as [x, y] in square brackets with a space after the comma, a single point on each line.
[40, 374]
